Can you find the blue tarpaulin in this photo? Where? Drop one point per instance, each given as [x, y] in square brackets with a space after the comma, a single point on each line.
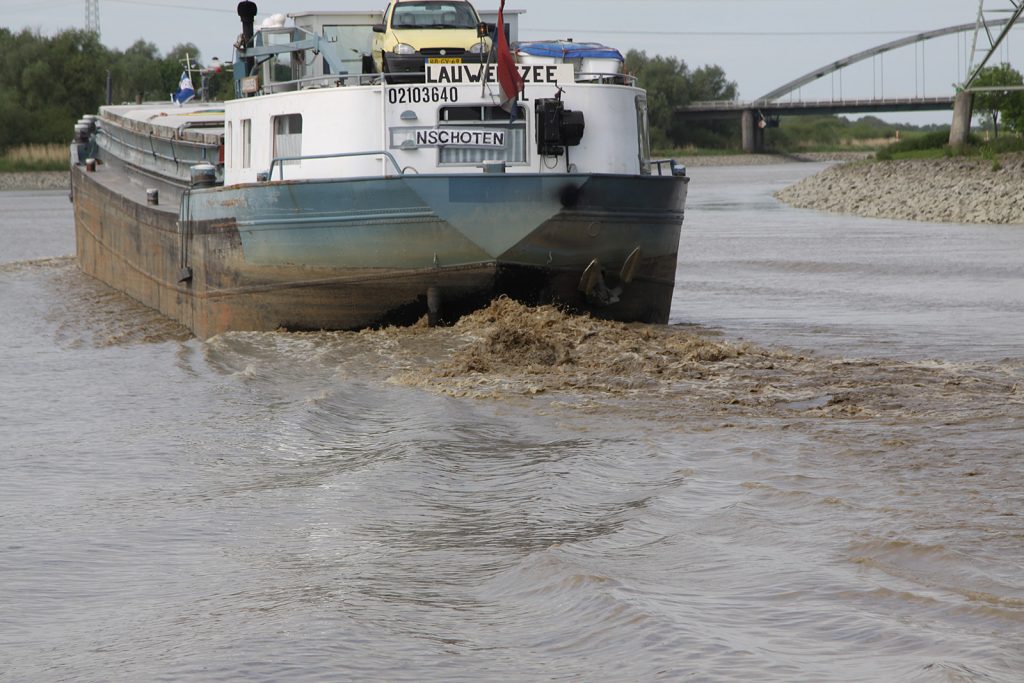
[568, 50]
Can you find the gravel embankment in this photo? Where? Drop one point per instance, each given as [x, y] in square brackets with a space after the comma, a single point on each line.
[936, 190]
[764, 159]
[49, 180]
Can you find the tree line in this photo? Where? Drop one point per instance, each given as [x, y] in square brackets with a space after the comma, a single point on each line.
[671, 84]
[1000, 106]
[47, 83]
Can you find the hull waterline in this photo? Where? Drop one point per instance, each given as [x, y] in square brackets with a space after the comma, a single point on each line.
[349, 254]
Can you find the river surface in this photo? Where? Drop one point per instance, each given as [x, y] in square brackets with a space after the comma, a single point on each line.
[815, 474]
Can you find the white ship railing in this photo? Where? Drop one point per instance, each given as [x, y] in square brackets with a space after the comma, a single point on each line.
[414, 77]
[340, 155]
[674, 167]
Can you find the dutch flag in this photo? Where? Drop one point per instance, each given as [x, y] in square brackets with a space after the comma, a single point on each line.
[185, 90]
[510, 80]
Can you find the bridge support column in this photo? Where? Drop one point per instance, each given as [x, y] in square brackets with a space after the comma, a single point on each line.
[963, 109]
[753, 134]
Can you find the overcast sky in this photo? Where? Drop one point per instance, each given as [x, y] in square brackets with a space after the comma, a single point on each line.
[761, 44]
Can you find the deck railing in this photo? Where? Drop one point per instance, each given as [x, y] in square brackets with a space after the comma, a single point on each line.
[413, 77]
[339, 155]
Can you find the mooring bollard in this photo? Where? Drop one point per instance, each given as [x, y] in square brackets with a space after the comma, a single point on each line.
[433, 306]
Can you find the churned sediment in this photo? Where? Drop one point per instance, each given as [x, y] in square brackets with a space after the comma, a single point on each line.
[955, 190]
[509, 349]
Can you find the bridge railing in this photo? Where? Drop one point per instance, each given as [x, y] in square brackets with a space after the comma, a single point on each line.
[737, 105]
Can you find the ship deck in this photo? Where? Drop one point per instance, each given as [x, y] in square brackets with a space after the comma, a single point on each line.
[201, 122]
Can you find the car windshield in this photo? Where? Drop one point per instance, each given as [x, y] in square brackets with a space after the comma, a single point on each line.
[434, 15]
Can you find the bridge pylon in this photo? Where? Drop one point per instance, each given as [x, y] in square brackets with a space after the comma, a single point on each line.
[753, 124]
[985, 45]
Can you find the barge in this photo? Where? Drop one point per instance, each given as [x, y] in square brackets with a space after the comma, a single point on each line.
[344, 188]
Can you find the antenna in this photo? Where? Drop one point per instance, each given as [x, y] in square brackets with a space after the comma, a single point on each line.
[92, 16]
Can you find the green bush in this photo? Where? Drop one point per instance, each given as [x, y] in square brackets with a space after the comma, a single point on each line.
[934, 140]
[935, 144]
[1003, 145]
[48, 82]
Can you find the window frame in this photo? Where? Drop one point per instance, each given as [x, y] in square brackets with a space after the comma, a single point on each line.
[289, 137]
[245, 133]
[522, 123]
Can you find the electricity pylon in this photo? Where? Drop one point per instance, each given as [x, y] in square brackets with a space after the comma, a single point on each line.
[986, 43]
[92, 16]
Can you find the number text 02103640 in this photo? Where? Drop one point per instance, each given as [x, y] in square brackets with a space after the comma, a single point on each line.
[422, 94]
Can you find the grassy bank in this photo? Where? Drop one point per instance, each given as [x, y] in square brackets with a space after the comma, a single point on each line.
[868, 146]
[34, 158]
[907, 145]
[936, 146]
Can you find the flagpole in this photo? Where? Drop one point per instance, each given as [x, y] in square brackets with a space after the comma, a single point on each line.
[510, 82]
[484, 68]
[487, 65]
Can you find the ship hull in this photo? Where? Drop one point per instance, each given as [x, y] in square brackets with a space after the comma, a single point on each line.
[355, 253]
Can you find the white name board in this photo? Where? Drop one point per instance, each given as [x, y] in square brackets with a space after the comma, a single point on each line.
[467, 74]
[475, 138]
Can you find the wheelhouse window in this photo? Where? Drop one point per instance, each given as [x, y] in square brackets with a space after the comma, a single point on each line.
[288, 137]
[352, 46]
[487, 118]
[279, 69]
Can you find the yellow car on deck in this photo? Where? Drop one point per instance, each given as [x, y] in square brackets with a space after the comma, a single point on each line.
[418, 32]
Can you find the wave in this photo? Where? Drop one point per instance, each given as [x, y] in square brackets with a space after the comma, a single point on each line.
[940, 568]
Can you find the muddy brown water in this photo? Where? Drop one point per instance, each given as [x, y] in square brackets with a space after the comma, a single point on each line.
[814, 473]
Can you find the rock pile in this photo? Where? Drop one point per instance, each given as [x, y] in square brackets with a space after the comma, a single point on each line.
[955, 190]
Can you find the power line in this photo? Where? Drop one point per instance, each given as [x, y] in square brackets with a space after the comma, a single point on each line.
[6, 9]
[767, 34]
[46, 4]
[173, 5]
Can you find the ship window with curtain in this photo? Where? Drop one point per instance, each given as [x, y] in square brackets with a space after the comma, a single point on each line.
[484, 117]
[246, 143]
[288, 137]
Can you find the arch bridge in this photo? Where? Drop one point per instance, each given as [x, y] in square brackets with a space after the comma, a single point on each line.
[763, 112]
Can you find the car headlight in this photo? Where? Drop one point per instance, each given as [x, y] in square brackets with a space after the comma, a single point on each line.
[478, 48]
[404, 49]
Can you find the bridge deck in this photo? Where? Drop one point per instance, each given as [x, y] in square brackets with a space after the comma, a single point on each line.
[728, 109]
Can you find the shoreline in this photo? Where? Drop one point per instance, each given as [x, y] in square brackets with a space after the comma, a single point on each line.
[743, 159]
[952, 190]
[29, 181]
[22, 181]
